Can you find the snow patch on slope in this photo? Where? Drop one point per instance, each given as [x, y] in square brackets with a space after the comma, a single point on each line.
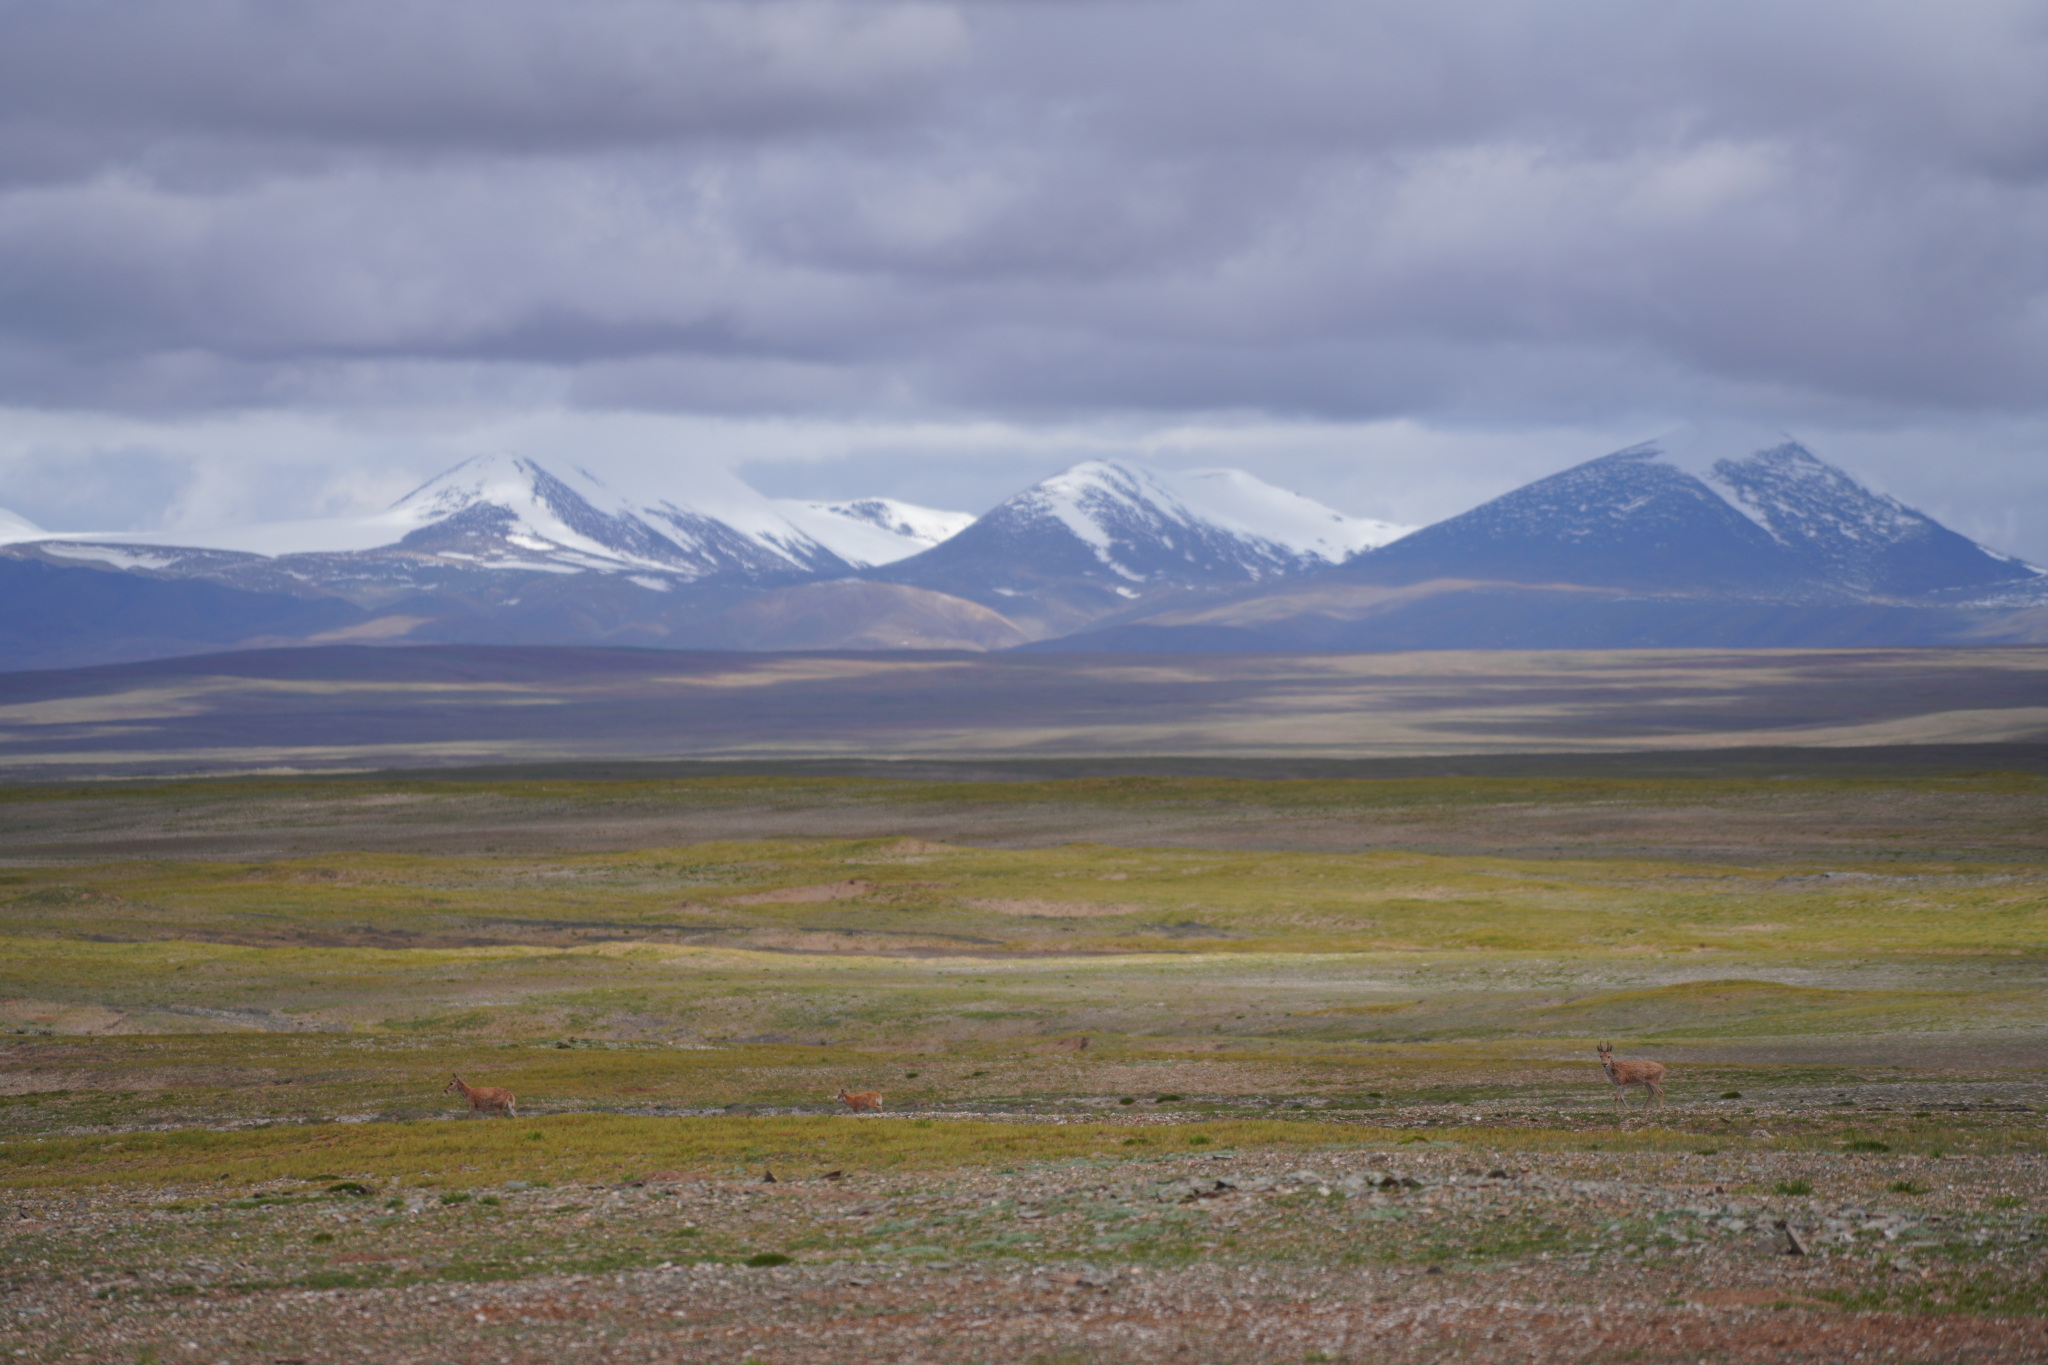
[111, 555]
[14, 526]
[1251, 506]
[1201, 516]
[870, 531]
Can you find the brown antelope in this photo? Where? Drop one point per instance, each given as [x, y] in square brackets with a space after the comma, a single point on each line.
[870, 1100]
[484, 1099]
[1648, 1075]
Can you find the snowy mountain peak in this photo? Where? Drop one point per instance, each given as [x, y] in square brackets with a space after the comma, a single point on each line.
[1703, 510]
[1145, 523]
[1860, 540]
[1097, 537]
[500, 479]
[507, 511]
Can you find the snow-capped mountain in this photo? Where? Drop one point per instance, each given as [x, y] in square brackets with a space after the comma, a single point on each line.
[871, 531]
[1703, 538]
[1147, 525]
[497, 549]
[1857, 540]
[1700, 512]
[1692, 539]
[1098, 536]
[507, 511]
[510, 514]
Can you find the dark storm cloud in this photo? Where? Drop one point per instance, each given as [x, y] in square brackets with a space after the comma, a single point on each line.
[1046, 210]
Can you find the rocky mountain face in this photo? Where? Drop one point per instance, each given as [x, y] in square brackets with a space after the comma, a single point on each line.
[1849, 540]
[1773, 523]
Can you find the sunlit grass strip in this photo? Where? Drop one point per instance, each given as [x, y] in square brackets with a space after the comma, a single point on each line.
[598, 1147]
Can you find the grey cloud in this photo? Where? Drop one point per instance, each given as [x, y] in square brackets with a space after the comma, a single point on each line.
[151, 83]
[1827, 216]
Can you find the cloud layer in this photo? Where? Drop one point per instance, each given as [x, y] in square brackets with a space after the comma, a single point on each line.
[1501, 215]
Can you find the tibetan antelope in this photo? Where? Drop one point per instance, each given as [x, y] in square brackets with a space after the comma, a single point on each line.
[484, 1099]
[870, 1100]
[1648, 1075]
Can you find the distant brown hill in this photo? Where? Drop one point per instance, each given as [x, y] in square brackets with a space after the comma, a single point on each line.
[358, 707]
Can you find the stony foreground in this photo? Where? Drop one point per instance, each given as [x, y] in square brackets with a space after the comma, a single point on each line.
[1422, 1253]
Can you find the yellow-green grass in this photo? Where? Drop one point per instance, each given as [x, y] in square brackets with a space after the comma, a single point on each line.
[594, 1147]
[1070, 898]
[334, 1075]
[581, 1147]
[1740, 1008]
[910, 1005]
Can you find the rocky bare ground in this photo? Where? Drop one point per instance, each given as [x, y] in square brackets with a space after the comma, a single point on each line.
[1419, 1252]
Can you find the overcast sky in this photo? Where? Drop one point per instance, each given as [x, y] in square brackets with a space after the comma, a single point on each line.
[269, 258]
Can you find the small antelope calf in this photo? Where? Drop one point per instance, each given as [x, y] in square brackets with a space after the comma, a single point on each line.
[870, 1100]
[484, 1099]
[1648, 1075]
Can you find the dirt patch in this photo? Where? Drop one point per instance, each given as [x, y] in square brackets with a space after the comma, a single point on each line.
[59, 1016]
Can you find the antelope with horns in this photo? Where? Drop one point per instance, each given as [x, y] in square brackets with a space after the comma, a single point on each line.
[1648, 1075]
[484, 1099]
[870, 1100]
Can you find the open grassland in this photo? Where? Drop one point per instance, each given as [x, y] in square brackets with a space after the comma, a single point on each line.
[1337, 1098]
[1983, 804]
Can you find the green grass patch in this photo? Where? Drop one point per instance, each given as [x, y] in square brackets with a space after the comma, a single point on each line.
[1996, 1292]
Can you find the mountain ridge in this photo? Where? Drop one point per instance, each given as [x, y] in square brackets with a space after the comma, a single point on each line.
[1685, 540]
[1691, 538]
[504, 548]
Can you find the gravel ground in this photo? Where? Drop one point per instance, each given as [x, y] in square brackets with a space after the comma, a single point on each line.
[1417, 1253]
